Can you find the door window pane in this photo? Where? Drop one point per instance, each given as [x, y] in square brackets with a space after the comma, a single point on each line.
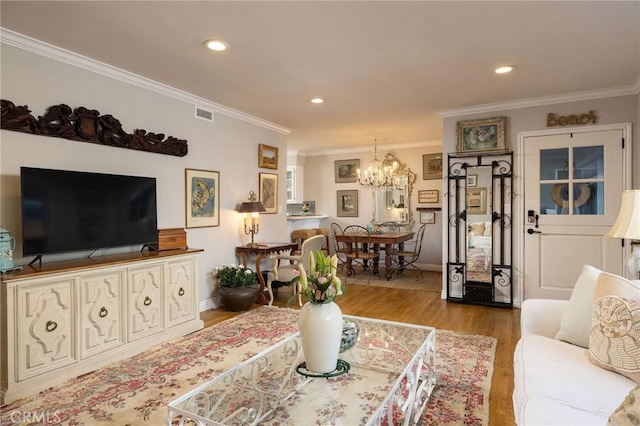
[554, 163]
[588, 198]
[589, 162]
[551, 198]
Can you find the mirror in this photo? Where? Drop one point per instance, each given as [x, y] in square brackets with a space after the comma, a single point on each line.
[392, 204]
[478, 202]
[479, 257]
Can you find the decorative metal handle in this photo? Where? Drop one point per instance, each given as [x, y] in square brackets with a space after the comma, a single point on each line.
[181, 292]
[103, 312]
[51, 325]
[530, 231]
[147, 301]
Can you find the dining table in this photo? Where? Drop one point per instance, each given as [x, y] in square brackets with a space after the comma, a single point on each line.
[385, 239]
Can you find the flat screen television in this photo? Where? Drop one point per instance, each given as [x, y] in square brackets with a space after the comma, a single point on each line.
[64, 211]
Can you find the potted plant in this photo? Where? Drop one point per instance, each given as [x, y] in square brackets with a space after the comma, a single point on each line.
[238, 287]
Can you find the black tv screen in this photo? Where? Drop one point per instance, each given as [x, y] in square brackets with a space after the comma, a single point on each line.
[65, 211]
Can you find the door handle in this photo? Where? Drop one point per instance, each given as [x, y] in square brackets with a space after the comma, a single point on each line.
[530, 231]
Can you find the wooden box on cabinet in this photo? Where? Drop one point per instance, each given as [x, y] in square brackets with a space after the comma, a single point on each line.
[172, 239]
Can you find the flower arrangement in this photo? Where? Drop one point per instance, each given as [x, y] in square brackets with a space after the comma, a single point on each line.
[235, 276]
[321, 284]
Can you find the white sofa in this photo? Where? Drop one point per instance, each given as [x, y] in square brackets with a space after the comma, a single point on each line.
[555, 383]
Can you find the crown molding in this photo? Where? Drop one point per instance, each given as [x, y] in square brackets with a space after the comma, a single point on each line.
[632, 89]
[359, 149]
[33, 45]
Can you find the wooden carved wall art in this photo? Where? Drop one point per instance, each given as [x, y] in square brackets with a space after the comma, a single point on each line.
[87, 125]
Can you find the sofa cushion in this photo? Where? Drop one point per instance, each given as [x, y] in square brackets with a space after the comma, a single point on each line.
[575, 325]
[614, 342]
[549, 371]
[628, 413]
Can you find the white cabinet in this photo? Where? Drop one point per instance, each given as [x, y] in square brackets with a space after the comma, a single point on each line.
[295, 184]
[63, 320]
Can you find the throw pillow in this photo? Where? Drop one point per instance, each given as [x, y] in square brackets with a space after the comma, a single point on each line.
[628, 413]
[614, 342]
[575, 325]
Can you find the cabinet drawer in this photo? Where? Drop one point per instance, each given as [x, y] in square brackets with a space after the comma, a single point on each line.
[144, 301]
[45, 324]
[181, 292]
[101, 312]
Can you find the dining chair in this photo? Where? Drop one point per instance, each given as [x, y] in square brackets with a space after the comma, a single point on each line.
[284, 274]
[299, 236]
[361, 250]
[339, 249]
[408, 256]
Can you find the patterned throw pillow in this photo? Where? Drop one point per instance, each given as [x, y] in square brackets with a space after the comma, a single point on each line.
[614, 342]
[628, 413]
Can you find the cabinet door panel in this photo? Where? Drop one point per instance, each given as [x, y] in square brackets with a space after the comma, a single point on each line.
[145, 301]
[101, 320]
[45, 324]
[181, 292]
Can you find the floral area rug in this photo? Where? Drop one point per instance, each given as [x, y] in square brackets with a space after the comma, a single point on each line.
[136, 391]
[408, 279]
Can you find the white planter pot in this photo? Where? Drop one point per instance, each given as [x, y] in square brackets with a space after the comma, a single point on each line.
[321, 332]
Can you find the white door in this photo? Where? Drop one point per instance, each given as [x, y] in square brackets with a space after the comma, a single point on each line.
[572, 189]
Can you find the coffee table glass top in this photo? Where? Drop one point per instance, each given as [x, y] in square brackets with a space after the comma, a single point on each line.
[391, 378]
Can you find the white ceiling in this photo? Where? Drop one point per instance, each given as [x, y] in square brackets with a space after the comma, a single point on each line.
[386, 69]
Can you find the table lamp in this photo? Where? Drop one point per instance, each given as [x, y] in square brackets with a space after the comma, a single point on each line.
[255, 208]
[627, 226]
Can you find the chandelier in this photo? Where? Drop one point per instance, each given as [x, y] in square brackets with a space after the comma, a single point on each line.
[380, 174]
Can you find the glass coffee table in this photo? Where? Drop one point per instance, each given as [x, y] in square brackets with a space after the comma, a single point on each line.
[390, 378]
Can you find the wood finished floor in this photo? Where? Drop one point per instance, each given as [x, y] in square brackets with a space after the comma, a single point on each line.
[426, 308]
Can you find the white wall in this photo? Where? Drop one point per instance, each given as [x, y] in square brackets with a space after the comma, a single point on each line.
[319, 185]
[228, 145]
[621, 109]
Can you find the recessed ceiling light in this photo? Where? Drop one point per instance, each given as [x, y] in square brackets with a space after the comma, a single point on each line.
[504, 70]
[217, 45]
[317, 100]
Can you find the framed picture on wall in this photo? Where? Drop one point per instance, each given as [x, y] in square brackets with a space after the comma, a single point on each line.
[202, 198]
[428, 196]
[268, 157]
[431, 166]
[427, 217]
[268, 185]
[481, 136]
[347, 203]
[472, 180]
[347, 170]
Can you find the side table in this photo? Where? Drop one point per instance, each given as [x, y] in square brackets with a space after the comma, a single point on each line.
[262, 250]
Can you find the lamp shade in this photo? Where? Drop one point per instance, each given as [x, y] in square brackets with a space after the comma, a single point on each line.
[627, 224]
[252, 207]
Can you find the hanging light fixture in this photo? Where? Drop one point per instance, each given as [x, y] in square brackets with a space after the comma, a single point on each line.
[379, 174]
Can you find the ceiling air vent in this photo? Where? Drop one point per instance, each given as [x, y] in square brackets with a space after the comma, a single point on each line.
[203, 114]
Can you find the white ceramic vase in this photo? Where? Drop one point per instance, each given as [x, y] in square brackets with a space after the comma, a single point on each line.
[321, 332]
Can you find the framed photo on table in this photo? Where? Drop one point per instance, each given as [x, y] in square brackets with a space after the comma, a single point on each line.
[202, 198]
[268, 157]
[428, 196]
[476, 137]
[347, 203]
[268, 185]
[347, 170]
